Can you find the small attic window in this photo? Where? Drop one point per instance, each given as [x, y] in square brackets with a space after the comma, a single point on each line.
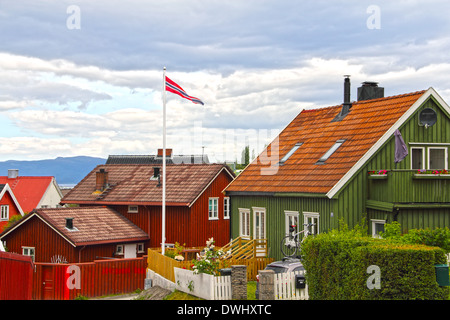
[330, 152]
[290, 153]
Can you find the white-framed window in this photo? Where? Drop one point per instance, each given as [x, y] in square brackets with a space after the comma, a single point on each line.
[259, 223]
[290, 218]
[213, 208]
[140, 247]
[437, 158]
[312, 217]
[244, 223]
[29, 251]
[133, 209]
[418, 158]
[119, 249]
[4, 213]
[226, 207]
[377, 227]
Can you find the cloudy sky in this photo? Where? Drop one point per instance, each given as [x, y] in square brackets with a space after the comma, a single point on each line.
[85, 77]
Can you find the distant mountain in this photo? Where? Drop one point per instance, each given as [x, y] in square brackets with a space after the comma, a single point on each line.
[67, 171]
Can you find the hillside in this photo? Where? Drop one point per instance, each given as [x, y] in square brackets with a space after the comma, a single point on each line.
[67, 171]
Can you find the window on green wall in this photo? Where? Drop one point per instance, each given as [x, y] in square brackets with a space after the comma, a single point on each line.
[417, 158]
[290, 219]
[244, 223]
[437, 158]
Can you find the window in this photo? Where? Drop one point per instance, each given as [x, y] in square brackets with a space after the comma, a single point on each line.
[132, 209]
[290, 218]
[290, 153]
[330, 152]
[213, 209]
[226, 207]
[244, 223]
[28, 251]
[119, 249]
[140, 247]
[312, 217]
[417, 158]
[4, 213]
[437, 158]
[377, 227]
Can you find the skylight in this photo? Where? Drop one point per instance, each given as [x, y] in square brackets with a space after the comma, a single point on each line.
[290, 153]
[330, 152]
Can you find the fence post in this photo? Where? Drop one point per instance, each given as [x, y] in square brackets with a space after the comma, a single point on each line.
[239, 282]
[266, 285]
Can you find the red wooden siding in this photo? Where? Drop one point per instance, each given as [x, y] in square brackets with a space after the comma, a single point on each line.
[187, 226]
[97, 278]
[48, 243]
[13, 211]
[16, 276]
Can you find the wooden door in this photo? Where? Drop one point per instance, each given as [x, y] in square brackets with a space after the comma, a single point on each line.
[48, 283]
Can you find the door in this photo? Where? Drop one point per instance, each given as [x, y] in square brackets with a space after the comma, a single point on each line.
[130, 251]
[259, 229]
[48, 285]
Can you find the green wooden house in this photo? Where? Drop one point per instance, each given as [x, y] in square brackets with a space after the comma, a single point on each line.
[340, 162]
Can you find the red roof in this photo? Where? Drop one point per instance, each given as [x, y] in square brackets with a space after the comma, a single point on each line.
[92, 225]
[365, 124]
[134, 184]
[28, 190]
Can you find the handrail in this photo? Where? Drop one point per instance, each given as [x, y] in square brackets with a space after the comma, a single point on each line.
[243, 248]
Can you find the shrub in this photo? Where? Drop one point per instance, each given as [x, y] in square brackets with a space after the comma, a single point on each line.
[336, 266]
[209, 261]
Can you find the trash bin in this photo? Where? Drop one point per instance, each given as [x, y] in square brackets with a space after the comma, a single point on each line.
[442, 275]
[225, 272]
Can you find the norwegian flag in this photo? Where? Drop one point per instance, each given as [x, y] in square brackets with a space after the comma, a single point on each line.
[171, 86]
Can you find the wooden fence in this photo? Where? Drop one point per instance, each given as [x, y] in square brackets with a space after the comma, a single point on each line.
[92, 279]
[164, 266]
[16, 276]
[284, 287]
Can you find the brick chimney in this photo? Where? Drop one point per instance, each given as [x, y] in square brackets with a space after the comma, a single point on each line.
[101, 181]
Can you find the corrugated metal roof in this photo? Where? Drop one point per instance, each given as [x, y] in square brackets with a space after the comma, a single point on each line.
[133, 184]
[153, 159]
[363, 126]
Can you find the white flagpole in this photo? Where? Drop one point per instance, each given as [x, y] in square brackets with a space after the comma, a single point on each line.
[163, 231]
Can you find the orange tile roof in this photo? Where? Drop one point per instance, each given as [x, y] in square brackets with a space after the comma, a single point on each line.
[28, 190]
[94, 225]
[131, 184]
[361, 128]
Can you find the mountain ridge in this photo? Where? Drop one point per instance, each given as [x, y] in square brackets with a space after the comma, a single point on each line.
[66, 170]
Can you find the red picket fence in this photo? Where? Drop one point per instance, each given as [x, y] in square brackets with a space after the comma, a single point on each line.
[16, 276]
[91, 279]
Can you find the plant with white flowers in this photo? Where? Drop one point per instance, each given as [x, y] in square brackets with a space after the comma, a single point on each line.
[208, 261]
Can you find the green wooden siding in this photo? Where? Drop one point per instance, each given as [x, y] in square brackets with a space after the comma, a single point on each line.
[351, 202]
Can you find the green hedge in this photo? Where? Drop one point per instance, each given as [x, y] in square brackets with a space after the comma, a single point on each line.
[336, 268]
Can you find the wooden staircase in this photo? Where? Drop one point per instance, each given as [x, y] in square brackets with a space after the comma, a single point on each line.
[245, 249]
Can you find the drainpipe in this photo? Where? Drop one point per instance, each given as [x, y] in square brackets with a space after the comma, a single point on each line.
[79, 254]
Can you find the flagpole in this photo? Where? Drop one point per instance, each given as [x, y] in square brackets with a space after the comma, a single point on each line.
[163, 224]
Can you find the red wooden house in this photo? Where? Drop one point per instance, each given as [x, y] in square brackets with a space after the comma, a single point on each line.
[196, 208]
[80, 234]
[9, 206]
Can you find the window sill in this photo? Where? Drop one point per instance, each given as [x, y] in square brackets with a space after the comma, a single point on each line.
[378, 176]
[431, 176]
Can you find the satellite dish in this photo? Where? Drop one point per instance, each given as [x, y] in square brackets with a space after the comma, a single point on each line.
[427, 117]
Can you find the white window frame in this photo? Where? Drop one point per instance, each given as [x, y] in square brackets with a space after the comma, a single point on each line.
[4, 215]
[213, 211]
[29, 251]
[423, 158]
[374, 223]
[288, 215]
[120, 249]
[226, 207]
[262, 212]
[244, 223]
[140, 247]
[445, 157]
[312, 217]
[133, 209]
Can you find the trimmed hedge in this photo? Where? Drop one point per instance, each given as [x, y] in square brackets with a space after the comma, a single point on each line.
[336, 268]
